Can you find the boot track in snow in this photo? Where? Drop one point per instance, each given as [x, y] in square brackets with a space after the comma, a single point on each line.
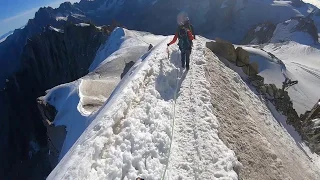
[191, 155]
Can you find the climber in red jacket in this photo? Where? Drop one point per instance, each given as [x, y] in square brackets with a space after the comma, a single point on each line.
[185, 37]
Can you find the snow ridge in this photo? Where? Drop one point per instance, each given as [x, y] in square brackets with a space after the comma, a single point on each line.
[197, 151]
[131, 135]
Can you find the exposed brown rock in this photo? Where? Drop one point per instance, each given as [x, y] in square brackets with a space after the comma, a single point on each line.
[252, 69]
[223, 48]
[242, 57]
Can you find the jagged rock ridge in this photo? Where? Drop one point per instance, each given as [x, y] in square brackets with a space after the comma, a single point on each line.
[48, 59]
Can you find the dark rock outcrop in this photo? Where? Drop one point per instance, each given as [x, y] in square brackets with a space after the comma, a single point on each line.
[242, 57]
[306, 24]
[55, 134]
[11, 48]
[251, 69]
[284, 31]
[239, 56]
[48, 59]
[47, 111]
[279, 98]
[297, 3]
[223, 48]
[127, 68]
[259, 34]
[311, 128]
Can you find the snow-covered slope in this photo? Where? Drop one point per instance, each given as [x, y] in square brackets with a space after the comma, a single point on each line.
[302, 64]
[313, 2]
[4, 36]
[270, 67]
[289, 31]
[76, 102]
[294, 61]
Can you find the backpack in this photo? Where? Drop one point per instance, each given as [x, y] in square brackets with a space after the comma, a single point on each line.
[190, 27]
[184, 41]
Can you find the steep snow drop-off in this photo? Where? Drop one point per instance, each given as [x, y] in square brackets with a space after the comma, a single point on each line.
[295, 61]
[262, 145]
[303, 64]
[77, 102]
[292, 60]
[157, 124]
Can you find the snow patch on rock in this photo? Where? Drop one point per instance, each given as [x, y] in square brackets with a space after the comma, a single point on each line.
[55, 29]
[257, 29]
[61, 18]
[286, 32]
[83, 24]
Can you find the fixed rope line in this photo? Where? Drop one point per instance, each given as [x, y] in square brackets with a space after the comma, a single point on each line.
[173, 120]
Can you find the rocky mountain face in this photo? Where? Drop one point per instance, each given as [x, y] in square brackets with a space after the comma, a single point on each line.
[291, 29]
[260, 34]
[48, 59]
[11, 48]
[229, 19]
[311, 128]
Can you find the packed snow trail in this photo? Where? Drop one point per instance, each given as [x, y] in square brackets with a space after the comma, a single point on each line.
[197, 151]
[131, 135]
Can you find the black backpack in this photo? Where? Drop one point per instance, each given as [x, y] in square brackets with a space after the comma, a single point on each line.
[184, 41]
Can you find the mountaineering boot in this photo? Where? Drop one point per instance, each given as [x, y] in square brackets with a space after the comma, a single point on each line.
[183, 59]
[188, 58]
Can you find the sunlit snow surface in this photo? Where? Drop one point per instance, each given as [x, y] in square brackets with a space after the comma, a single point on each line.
[295, 61]
[3, 38]
[130, 129]
[131, 134]
[313, 2]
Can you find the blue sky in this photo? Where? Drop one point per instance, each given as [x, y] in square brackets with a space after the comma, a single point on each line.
[16, 13]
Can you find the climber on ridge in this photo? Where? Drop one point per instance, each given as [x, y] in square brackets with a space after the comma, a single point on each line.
[188, 25]
[185, 36]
